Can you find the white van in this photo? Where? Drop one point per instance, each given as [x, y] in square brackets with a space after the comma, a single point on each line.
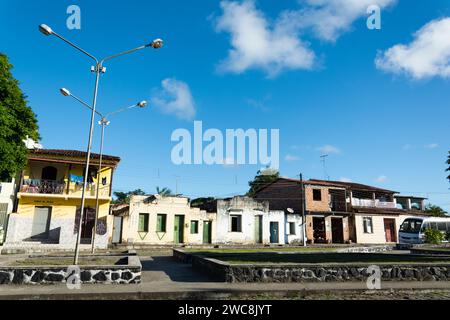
[412, 230]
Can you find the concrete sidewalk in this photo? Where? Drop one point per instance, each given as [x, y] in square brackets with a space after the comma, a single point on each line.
[164, 278]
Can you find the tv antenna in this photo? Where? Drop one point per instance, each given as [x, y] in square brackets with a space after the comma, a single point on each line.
[324, 162]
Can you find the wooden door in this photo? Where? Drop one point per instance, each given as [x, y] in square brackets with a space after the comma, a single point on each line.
[178, 230]
[274, 232]
[337, 230]
[117, 230]
[259, 229]
[390, 230]
[207, 230]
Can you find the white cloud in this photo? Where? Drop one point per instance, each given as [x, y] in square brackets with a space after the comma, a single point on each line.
[258, 43]
[343, 179]
[407, 147]
[329, 19]
[432, 146]
[329, 149]
[291, 158]
[175, 98]
[381, 179]
[428, 55]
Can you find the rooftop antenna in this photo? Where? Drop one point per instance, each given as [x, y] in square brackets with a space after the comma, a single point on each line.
[324, 161]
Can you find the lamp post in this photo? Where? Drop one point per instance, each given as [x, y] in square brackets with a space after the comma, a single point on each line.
[104, 122]
[98, 69]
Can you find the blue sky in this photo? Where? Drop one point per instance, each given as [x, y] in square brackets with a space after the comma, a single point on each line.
[383, 124]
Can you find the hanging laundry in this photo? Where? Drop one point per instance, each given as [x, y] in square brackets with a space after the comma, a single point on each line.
[76, 179]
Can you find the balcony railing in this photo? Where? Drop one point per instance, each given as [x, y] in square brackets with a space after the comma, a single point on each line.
[50, 187]
[42, 186]
[367, 203]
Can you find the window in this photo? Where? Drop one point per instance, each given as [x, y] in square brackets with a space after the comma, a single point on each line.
[143, 222]
[368, 225]
[161, 221]
[411, 226]
[236, 223]
[442, 226]
[194, 227]
[317, 195]
[292, 228]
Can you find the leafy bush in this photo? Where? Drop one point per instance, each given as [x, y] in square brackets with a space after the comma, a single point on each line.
[433, 236]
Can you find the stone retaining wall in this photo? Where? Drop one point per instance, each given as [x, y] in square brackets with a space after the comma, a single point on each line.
[302, 273]
[117, 274]
[223, 271]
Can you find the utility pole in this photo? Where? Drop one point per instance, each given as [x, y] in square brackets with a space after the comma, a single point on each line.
[325, 173]
[303, 209]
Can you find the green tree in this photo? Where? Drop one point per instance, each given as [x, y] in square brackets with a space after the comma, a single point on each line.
[124, 197]
[435, 211]
[164, 192]
[262, 179]
[17, 121]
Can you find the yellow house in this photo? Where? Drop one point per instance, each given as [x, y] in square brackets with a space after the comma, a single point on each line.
[47, 208]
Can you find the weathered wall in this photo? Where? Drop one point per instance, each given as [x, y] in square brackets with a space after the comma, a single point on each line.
[171, 206]
[323, 273]
[126, 274]
[62, 223]
[378, 236]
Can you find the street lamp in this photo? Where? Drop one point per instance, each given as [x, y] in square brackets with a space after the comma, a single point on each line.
[98, 69]
[104, 122]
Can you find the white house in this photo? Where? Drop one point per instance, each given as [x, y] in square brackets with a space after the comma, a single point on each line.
[7, 197]
[243, 220]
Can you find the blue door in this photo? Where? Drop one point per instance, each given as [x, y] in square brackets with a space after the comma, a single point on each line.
[274, 232]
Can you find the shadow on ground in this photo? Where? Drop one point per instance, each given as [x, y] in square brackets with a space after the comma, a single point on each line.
[166, 268]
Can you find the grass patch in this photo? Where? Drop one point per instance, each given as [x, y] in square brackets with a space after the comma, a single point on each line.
[64, 261]
[261, 250]
[329, 258]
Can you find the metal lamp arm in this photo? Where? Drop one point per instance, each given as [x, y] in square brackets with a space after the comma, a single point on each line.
[76, 47]
[108, 115]
[85, 104]
[122, 54]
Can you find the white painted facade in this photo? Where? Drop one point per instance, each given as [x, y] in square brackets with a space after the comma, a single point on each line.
[377, 234]
[248, 211]
[7, 194]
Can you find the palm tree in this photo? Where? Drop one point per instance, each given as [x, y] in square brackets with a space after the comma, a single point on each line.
[164, 192]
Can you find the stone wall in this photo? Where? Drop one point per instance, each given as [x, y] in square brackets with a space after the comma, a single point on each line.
[226, 272]
[128, 273]
[333, 273]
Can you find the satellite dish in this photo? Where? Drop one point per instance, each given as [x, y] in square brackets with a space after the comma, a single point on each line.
[290, 210]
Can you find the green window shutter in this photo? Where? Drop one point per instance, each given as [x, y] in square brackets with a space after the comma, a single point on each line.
[158, 223]
[161, 223]
[143, 222]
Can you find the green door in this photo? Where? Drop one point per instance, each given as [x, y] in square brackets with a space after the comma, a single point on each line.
[179, 230]
[207, 230]
[259, 229]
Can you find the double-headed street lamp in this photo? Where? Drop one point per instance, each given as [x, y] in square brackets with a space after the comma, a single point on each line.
[98, 69]
[104, 122]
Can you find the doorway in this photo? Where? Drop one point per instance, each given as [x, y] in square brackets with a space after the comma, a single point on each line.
[390, 230]
[207, 232]
[259, 229]
[41, 223]
[337, 230]
[319, 230]
[117, 230]
[178, 230]
[87, 225]
[274, 232]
